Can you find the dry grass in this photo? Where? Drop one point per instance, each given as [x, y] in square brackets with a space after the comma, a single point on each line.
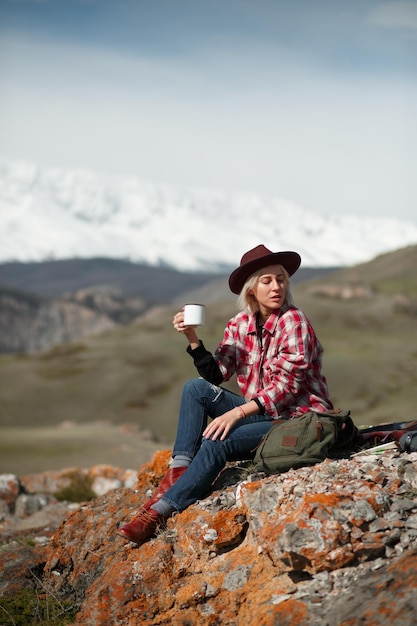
[34, 449]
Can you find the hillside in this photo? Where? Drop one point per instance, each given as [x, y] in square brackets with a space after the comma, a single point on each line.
[48, 303]
[57, 278]
[133, 374]
[391, 274]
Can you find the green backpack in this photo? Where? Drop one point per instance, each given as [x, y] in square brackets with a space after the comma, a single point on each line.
[304, 440]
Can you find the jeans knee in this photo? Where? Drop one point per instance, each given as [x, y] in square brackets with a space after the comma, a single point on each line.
[196, 386]
[214, 448]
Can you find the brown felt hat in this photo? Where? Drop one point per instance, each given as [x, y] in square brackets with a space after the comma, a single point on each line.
[260, 257]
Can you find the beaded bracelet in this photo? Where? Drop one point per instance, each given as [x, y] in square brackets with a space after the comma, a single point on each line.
[242, 412]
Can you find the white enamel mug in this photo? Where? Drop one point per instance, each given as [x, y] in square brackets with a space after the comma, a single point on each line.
[194, 314]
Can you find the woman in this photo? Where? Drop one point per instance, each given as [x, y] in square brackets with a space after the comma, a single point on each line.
[272, 349]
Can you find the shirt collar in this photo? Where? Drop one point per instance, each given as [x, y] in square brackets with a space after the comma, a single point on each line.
[270, 324]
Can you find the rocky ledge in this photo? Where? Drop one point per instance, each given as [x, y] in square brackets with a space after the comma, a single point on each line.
[333, 544]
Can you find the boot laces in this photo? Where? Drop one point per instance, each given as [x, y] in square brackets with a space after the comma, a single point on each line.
[148, 516]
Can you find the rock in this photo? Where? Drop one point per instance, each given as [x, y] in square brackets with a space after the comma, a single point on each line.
[334, 544]
[28, 504]
[9, 488]
[101, 477]
[31, 498]
[29, 323]
[4, 510]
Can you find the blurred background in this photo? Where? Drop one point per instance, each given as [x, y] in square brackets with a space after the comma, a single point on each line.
[144, 146]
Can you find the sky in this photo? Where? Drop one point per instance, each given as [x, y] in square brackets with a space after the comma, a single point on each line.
[312, 101]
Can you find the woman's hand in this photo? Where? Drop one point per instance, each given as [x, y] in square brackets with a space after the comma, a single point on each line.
[178, 321]
[188, 331]
[222, 425]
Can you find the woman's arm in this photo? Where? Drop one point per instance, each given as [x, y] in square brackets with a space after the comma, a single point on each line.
[203, 359]
[205, 364]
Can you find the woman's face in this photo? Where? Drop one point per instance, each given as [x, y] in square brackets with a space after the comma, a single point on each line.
[270, 290]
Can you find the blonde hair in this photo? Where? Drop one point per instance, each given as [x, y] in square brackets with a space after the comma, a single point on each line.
[247, 301]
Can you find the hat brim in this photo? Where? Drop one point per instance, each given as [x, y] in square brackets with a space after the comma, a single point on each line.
[291, 261]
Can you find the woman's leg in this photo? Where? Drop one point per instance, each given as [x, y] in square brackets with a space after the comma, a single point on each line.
[199, 401]
[212, 456]
[197, 479]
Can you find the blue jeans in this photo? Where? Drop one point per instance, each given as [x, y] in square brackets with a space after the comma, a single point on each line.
[199, 401]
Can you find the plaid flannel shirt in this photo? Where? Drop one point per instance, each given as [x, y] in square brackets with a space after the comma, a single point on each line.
[283, 370]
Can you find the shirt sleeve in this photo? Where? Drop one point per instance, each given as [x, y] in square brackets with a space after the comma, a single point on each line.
[205, 364]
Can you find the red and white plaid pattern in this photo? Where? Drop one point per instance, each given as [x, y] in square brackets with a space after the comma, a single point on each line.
[285, 372]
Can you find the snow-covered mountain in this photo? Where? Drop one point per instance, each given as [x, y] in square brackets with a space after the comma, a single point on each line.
[58, 214]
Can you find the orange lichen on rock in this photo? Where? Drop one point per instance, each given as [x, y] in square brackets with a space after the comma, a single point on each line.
[312, 546]
[150, 474]
[308, 534]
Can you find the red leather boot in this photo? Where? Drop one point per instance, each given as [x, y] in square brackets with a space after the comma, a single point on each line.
[144, 525]
[171, 477]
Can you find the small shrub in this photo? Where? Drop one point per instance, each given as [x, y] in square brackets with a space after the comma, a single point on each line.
[79, 489]
[29, 607]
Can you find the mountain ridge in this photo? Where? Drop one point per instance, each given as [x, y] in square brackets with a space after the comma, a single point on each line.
[46, 304]
[158, 284]
[50, 213]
